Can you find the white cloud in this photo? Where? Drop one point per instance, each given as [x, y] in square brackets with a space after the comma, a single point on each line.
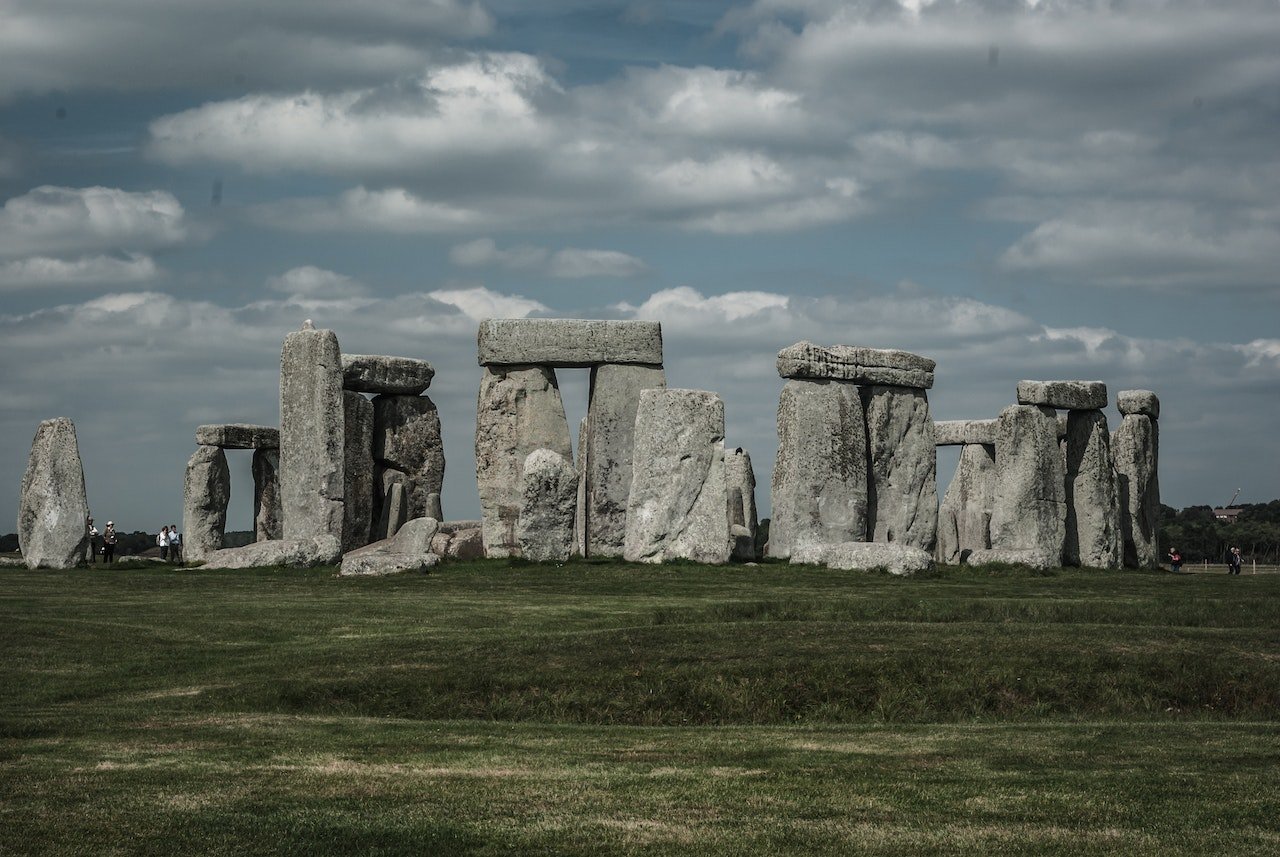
[568, 263]
[393, 210]
[308, 281]
[480, 303]
[576, 263]
[84, 270]
[62, 220]
[484, 252]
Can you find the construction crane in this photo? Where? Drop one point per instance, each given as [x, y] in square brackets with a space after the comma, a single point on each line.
[1233, 499]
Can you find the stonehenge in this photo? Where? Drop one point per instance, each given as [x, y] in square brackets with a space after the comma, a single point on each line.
[1136, 447]
[312, 435]
[53, 505]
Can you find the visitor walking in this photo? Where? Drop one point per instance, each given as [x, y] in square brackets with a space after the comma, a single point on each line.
[163, 541]
[1175, 560]
[1233, 561]
[175, 544]
[109, 543]
[93, 534]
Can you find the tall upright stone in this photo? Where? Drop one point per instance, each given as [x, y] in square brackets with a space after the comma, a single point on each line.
[1093, 532]
[902, 481]
[549, 504]
[518, 410]
[580, 513]
[819, 484]
[740, 482]
[611, 415]
[357, 506]
[1136, 449]
[267, 520]
[206, 493]
[677, 507]
[53, 506]
[312, 438]
[964, 518]
[406, 436]
[1031, 507]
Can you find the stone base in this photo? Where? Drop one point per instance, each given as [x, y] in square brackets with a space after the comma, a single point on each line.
[864, 556]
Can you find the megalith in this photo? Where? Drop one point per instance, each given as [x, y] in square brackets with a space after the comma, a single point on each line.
[902, 480]
[1030, 511]
[1136, 450]
[357, 506]
[267, 523]
[580, 515]
[819, 483]
[312, 438]
[740, 482]
[548, 507]
[53, 506]
[518, 410]
[964, 518]
[406, 437]
[611, 417]
[206, 493]
[1093, 534]
[677, 506]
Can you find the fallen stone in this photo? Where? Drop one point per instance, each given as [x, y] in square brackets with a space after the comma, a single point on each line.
[408, 550]
[864, 556]
[548, 507]
[238, 436]
[53, 507]
[1142, 402]
[312, 448]
[357, 468]
[961, 432]
[1039, 560]
[518, 410]
[678, 508]
[394, 376]
[206, 493]
[568, 342]
[1093, 532]
[287, 553]
[902, 480]
[740, 481]
[964, 518]
[1030, 507]
[819, 484]
[1135, 446]
[407, 437]
[267, 523]
[857, 364]
[458, 540]
[611, 421]
[1068, 395]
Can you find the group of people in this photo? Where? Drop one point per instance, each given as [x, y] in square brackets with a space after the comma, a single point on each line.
[1233, 560]
[170, 542]
[108, 539]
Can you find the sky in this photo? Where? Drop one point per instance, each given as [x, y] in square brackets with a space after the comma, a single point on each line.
[1019, 190]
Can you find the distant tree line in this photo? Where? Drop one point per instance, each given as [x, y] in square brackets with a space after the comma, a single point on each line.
[1199, 536]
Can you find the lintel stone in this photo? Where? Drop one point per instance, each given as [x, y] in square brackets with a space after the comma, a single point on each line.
[569, 343]
[964, 432]
[238, 436]
[395, 376]
[857, 364]
[1138, 402]
[1071, 395]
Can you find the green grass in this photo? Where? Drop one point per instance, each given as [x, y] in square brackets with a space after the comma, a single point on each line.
[492, 708]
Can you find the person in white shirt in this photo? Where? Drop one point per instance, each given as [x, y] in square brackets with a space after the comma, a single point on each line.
[163, 541]
[175, 544]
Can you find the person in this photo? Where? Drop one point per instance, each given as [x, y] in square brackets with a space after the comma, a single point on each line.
[93, 540]
[1233, 561]
[1175, 560]
[175, 544]
[109, 543]
[163, 541]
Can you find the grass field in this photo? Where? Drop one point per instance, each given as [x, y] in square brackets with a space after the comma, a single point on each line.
[494, 708]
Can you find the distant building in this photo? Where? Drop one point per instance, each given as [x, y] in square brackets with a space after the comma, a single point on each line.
[1227, 515]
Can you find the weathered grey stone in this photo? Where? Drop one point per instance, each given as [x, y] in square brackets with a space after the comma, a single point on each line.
[678, 507]
[383, 478]
[1138, 402]
[1136, 449]
[580, 515]
[394, 376]
[568, 342]
[549, 504]
[238, 436]
[857, 364]
[460, 540]
[961, 432]
[53, 507]
[1093, 534]
[395, 510]
[902, 480]
[1034, 558]
[819, 487]
[312, 477]
[611, 421]
[267, 523]
[894, 558]
[1030, 509]
[408, 550]
[406, 436]
[357, 470]
[324, 549]
[519, 410]
[1069, 395]
[964, 518]
[740, 482]
[206, 492]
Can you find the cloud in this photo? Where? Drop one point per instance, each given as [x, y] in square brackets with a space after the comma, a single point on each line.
[393, 210]
[568, 263]
[85, 270]
[479, 303]
[309, 281]
[63, 220]
[576, 263]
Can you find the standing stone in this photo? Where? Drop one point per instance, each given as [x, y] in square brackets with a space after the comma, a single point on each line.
[267, 523]
[406, 436]
[580, 514]
[312, 448]
[740, 481]
[964, 519]
[1094, 537]
[819, 484]
[902, 481]
[518, 410]
[206, 493]
[383, 478]
[1031, 507]
[678, 506]
[395, 510]
[53, 505]
[548, 507]
[357, 470]
[611, 414]
[1136, 448]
